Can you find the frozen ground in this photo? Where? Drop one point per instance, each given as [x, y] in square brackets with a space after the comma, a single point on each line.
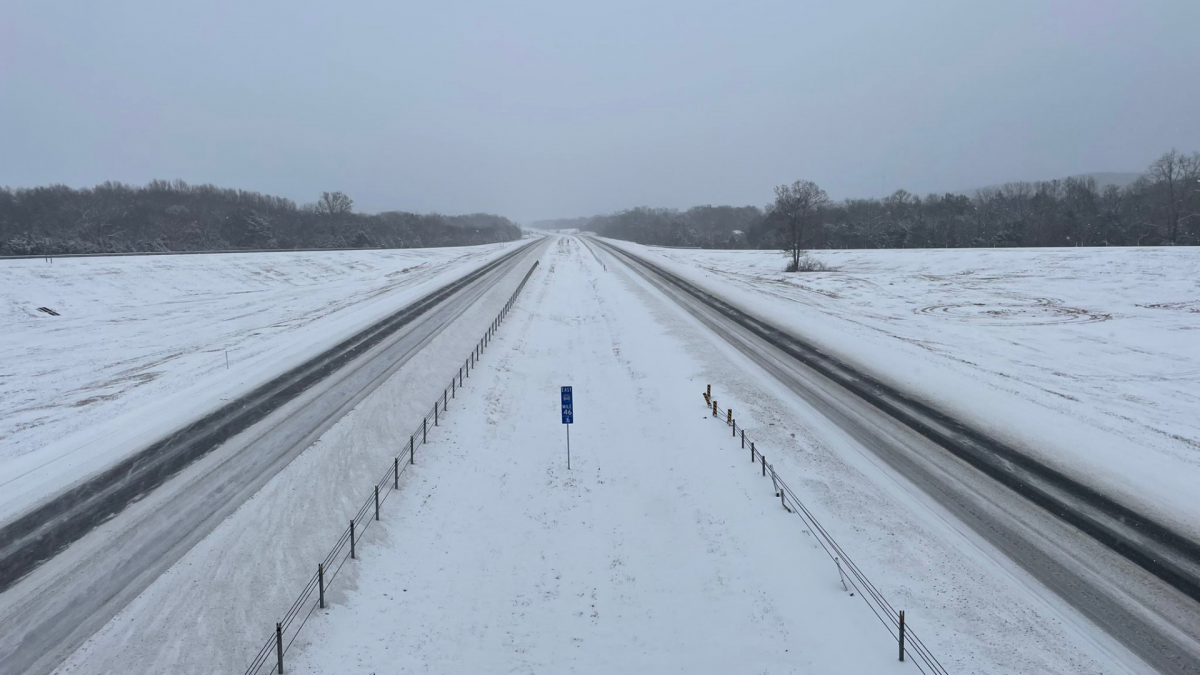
[141, 342]
[1087, 358]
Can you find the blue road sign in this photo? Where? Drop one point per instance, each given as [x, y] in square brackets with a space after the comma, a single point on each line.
[568, 406]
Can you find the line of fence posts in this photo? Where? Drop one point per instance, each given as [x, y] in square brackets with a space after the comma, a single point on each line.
[782, 491]
[352, 534]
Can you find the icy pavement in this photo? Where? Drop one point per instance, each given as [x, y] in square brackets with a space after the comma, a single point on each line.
[1086, 358]
[143, 344]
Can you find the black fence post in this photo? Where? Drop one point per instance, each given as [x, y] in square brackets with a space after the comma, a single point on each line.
[424, 430]
[435, 415]
[444, 400]
[376, 502]
[396, 472]
[743, 439]
[751, 451]
[453, 388]
[764, 463]
[321, 582]
[352, 539]
[412, 456]
[901, 635]
[460, 376]
[279, 645]
[733, 426]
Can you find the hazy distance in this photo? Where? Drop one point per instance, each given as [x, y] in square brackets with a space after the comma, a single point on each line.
[546, 109]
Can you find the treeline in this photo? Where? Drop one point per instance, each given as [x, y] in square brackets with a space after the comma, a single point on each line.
[175, 216]
[1160, 208]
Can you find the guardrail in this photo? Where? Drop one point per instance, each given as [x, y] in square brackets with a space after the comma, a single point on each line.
[849, 572]
[313, 595]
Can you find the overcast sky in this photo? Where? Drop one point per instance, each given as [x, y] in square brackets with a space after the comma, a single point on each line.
[544, 109]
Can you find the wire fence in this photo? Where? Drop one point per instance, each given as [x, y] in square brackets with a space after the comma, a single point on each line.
[313, 595]
[850, 573]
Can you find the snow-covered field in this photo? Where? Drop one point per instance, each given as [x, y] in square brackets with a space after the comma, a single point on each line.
[1087, 358]
[144, 343]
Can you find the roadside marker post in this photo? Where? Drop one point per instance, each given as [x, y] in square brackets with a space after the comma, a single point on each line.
[568, 418]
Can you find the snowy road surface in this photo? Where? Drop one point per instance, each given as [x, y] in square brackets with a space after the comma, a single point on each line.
[1085, 358]
[50, 611]
[141, 343]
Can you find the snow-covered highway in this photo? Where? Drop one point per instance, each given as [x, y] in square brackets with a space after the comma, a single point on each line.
[1111, 568]
[661, 549]
[49, 612]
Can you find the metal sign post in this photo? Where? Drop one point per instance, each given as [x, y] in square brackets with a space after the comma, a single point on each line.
[568, 418]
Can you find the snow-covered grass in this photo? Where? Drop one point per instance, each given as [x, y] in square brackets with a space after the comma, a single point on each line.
[142, 344]
[1087, 358]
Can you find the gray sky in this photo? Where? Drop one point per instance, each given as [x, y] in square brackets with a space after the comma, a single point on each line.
[543, 109]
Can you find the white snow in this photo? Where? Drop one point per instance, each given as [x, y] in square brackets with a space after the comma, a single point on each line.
[212, 610]
[1087, 358]
[662, 549]
[141, 342]
[656, 552]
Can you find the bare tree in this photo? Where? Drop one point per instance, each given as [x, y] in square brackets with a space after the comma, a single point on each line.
[334, 204]
[795, 210]
[1178, 176]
